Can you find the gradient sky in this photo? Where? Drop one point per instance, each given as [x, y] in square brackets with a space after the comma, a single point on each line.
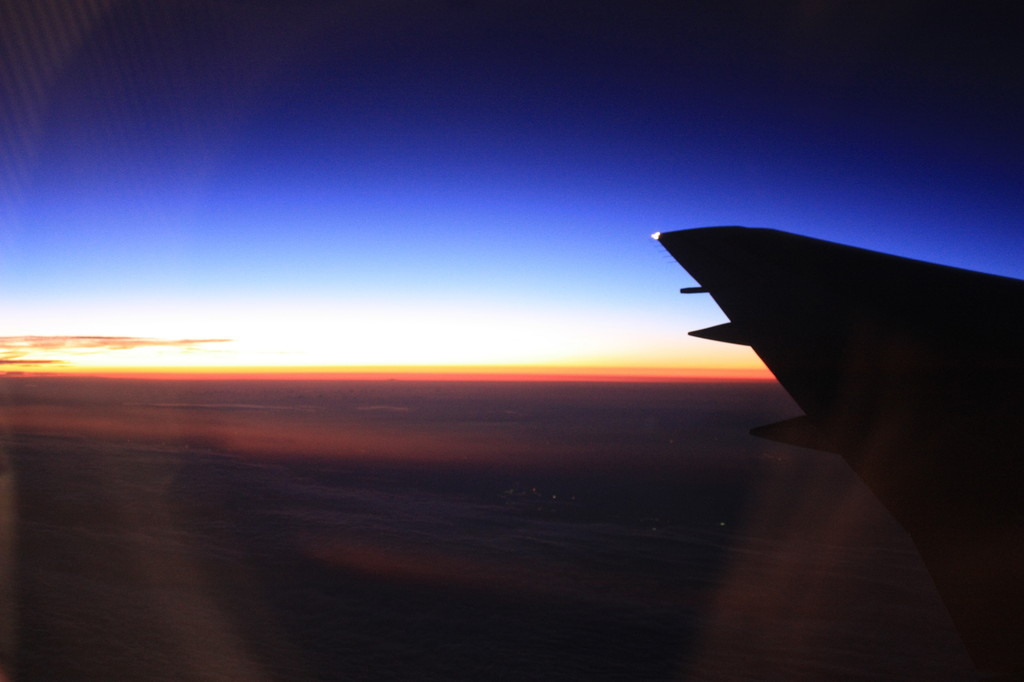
[472, 183]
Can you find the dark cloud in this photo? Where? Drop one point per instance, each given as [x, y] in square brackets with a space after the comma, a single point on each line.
[15, 361]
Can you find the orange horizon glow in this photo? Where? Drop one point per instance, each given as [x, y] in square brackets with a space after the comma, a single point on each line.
[413, 373]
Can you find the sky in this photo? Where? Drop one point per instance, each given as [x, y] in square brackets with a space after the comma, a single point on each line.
[276, 186]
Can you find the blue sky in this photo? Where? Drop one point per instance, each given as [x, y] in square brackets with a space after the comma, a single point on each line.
[476, 183]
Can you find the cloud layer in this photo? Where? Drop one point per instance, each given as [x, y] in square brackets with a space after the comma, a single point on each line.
[35, 350]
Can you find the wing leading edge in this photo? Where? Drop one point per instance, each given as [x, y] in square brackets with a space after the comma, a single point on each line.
[913, 373]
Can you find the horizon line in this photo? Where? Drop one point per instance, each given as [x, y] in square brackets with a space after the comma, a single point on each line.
[413, 373]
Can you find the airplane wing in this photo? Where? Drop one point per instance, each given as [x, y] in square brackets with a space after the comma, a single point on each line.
[914, 373]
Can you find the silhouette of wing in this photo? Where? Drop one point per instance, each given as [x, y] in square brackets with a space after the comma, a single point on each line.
[914, 373]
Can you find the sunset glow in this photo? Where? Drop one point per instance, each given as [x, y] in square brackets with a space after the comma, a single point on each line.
[438, 340]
